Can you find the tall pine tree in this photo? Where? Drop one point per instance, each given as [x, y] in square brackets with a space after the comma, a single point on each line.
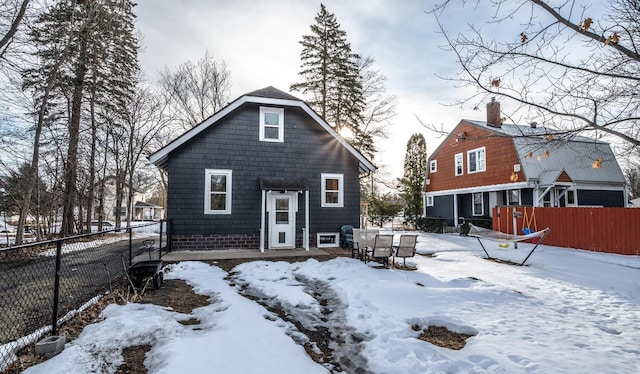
[412, 183]
[87, 56]
[330, 73]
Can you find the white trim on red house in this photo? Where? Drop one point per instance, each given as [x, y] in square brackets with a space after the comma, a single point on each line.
[488, 188]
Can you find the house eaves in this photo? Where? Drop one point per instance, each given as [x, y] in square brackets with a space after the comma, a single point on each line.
[161, 157]
[549, 177]
[487, 188]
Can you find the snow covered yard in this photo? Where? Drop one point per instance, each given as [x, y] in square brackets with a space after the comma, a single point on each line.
[569, 311]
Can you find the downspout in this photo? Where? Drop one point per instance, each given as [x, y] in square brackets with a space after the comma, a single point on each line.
[306, 220]
[262, 211]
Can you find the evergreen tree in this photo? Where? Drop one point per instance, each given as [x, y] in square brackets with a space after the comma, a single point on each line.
[412, 183]
[87, 56]
[330, 73]
[382, 208]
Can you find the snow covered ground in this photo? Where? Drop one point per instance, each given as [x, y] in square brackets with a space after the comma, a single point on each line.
[568, 311]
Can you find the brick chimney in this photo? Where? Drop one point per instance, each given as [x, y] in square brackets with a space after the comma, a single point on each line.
[493, 113]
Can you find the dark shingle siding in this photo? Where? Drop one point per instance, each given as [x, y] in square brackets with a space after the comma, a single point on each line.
[308, 150]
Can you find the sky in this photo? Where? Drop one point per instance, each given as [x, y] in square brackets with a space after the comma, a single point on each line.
[259, 41]
[567, 311]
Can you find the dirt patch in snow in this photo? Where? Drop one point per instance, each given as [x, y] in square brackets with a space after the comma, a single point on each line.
[443, 337]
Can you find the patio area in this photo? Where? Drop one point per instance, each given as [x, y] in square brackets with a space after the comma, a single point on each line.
[229, 254]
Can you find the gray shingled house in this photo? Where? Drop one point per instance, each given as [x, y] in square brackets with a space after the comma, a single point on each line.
[266, 171]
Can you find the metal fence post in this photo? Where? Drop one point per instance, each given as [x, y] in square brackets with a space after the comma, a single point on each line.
[56, 289]
[130, 245]
[160, 245]
[169, 233]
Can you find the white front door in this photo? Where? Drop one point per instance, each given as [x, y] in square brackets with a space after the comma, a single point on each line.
[282, 220]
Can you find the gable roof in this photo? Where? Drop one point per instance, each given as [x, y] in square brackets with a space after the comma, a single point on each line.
[268, 95]
[272, 92]
[575, 157]
[571, 154]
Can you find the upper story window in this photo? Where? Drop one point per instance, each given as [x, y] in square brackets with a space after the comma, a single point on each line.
[217, 191]
[271, 124]
[476, 160]
[459, 165]
[332, 190]
[433, 166]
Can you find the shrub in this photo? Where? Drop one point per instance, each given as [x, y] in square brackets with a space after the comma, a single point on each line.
[430, 224]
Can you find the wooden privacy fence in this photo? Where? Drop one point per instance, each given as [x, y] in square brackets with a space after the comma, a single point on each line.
[611, 230]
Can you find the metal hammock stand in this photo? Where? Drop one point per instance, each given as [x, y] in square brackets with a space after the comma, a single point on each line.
[497, 236]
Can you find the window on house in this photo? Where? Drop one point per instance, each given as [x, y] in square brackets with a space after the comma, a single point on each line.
[571, 197]
[123, 211]
[217, 199]
[476, 160]
[433, 166]
[513, 197]
[429, 200]
[546, 199]
[459, 164]
[271, 124]
[332, 190]
[478, 204]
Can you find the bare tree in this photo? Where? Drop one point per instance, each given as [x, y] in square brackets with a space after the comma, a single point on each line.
[633, 179]
[196, 91]
[379, 108]
[569, 66]
[147, 120]
[12, 13]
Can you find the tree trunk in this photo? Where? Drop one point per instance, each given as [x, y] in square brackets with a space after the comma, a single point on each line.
[92, 155]
[71, 168]
[119, 197]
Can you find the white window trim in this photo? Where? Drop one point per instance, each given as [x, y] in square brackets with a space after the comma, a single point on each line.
[429, 200]
[473, 203]
[340, 178]
[575, 197]
[478, 170]
[207, 190]
[455, 164]
[509, 202]
[280, 112]
[334, 244]
[433, 166]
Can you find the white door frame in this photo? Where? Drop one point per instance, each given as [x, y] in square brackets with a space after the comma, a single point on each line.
[282, 235]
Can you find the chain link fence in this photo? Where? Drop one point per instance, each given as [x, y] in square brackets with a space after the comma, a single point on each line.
[43, 285]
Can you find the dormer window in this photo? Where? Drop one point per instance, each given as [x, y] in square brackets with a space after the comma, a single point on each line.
[271, 124]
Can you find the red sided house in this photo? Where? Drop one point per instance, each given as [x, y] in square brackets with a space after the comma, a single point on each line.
[481, 165]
